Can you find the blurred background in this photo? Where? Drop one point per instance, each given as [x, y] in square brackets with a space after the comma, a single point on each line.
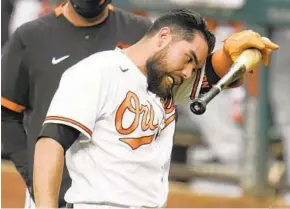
[237, 153]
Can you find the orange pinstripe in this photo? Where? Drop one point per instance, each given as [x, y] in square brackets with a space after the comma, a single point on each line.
[70, 121]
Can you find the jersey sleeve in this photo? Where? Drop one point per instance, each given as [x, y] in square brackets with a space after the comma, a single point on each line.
[14, 75]
[79, 99]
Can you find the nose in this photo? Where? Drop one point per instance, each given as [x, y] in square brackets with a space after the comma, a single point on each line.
[187, 73]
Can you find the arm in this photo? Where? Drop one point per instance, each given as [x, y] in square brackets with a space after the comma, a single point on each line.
[217, 65]
[48, 168]
[52, 143]
[14, 92]
[14, 140]
[220, 61]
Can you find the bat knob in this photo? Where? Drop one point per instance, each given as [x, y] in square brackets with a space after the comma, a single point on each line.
[198, 106]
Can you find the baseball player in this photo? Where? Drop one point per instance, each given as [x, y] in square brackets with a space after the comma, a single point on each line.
[36, 56]
[113, 114]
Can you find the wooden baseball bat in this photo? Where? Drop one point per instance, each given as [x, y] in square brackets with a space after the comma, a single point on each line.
[249, 59]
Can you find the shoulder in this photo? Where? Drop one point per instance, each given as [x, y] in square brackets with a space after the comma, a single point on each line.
[37, 24]
[36, 27]
[129, 18]
[101, 64]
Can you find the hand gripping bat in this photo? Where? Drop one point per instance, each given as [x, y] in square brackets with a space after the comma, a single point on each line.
[245, 63]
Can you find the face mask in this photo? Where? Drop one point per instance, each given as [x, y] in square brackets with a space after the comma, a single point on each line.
[89, 8]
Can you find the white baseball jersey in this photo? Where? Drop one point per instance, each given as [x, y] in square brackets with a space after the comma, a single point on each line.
[123, 153]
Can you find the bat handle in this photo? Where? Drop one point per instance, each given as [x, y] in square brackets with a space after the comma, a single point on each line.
[198, 106]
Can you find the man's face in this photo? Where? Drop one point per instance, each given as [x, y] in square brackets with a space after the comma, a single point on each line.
[177, 61]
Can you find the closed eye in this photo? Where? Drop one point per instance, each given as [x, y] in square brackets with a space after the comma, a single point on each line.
[189, 60]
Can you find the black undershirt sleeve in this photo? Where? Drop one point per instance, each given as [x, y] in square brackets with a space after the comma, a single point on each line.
[14, 140]
[63, 134]
[211, 78]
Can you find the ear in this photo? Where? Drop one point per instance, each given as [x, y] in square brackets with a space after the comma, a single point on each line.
[164, 37]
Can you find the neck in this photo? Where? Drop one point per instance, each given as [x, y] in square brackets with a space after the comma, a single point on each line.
[72, 16]
[139, 53]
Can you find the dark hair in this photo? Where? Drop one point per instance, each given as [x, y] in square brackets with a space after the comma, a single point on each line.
[184, 23]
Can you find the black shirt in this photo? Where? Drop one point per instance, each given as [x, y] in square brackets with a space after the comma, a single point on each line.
[40, 51]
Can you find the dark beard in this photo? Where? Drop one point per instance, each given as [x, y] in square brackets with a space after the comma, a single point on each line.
[156, 72]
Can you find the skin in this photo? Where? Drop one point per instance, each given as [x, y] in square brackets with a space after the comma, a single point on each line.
[47, 172]
[221, 63]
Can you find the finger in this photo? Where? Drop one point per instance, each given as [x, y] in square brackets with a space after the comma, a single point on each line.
[266, 61]
[266, 56]
[257, 35]
[269, 44]
[255, 43]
